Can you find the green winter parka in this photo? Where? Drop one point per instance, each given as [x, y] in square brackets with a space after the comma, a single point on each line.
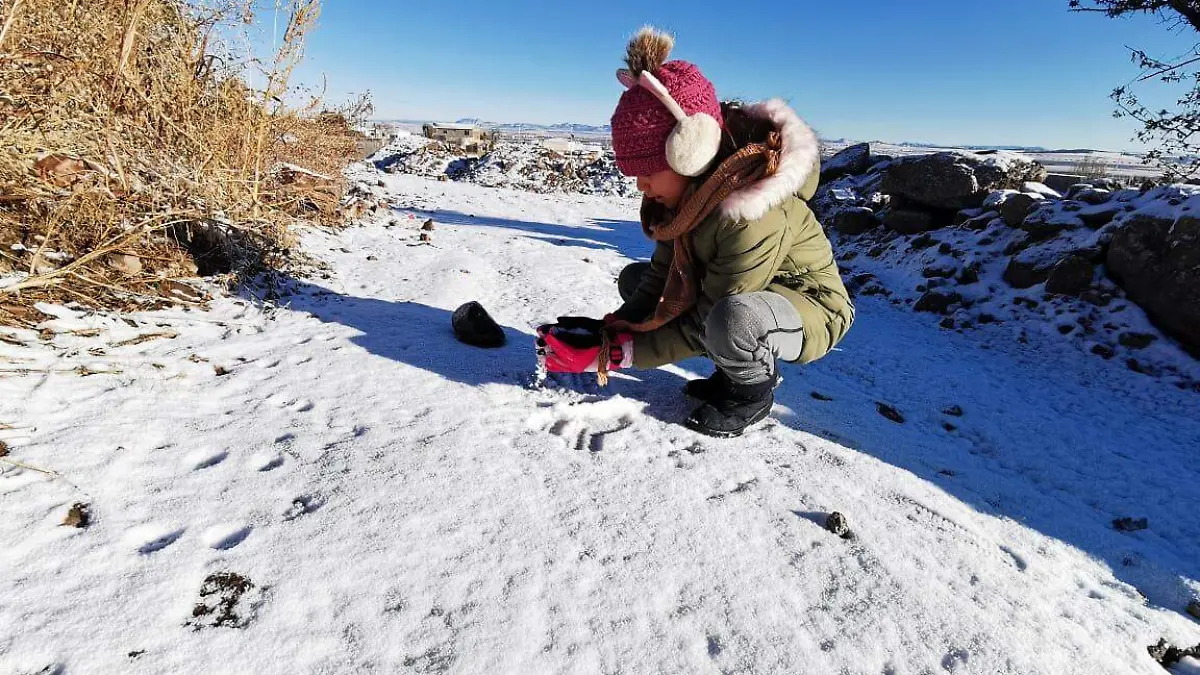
[764, 237]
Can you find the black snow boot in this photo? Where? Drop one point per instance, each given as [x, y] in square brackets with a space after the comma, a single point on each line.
[739, 407]
[711, 388]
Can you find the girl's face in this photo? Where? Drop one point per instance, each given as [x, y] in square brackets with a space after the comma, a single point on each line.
[665, 187]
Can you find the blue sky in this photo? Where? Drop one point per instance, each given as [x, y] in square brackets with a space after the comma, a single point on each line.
[945, 71]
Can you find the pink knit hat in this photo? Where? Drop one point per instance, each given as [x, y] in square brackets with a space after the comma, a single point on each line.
[642, 123]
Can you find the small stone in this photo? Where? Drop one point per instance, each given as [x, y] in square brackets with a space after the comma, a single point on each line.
[969, 274]
[1136, 340]
[1103, 351]
[1193, 608]
[220, 371]
[1066, 328]
[425, 238]
[941, 270]
[3, 449]
[938, 302]
[953, 411]
[947, 323]
[889, 412]
[837, 524]
[428, 225]
[821, 397]
[922, 241]
[949, 427]
[1130, 524]
[79, 516]
[372, 257]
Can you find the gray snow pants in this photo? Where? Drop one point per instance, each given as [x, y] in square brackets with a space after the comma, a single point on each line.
[745, 334]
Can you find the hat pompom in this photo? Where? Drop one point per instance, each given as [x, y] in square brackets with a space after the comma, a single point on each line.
[648, 50]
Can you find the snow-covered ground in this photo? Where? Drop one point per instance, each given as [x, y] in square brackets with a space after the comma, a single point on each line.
[335, 485]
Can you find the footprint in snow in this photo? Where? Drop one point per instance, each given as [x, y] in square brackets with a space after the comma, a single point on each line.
[203, 459]
[225, 536]
[266, 461]
[147, 539]
[303, 505]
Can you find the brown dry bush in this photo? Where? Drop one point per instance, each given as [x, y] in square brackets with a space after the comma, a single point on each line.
[133, 153]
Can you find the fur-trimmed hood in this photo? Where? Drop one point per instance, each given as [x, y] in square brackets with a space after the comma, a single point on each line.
[799, 160]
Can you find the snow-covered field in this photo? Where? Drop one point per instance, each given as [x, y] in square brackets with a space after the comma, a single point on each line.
[335, 485]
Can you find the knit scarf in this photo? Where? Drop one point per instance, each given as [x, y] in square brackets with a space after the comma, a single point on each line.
[743, 168]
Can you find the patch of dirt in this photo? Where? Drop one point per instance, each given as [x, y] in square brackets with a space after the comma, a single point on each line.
[80, 515]
[227, 599]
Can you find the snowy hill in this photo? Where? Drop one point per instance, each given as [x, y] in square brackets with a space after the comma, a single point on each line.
[330, 483]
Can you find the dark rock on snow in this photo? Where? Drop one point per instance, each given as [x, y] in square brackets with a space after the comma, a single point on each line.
[475, 327]
[1157, 262]
[852, 161]
[1136, 340]
[981, 222]
[1130, 524]
[908, 221]
[938, 302]
[854, 220]
[1026, 271]
[837, 524]
[1045, 222]
[956, 180]
[1100, 214]
[1071, 276]
[1167, 655]
[1017, 207]
[1062, 182]
[889, 412]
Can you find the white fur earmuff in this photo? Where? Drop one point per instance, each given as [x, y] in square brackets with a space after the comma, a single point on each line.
[695, 140]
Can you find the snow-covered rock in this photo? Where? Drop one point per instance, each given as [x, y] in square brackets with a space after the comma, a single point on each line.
[957, 180]
[1156, 258]
[854, 160]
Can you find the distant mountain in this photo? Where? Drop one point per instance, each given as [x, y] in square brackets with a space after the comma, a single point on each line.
[561, 127]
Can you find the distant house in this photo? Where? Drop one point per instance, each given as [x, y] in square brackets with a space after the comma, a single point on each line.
[469, 137]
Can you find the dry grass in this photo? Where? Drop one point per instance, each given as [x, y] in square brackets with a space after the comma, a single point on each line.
[133, 154]
[1093, 167]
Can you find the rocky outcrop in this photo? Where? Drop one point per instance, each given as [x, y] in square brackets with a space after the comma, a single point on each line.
[957, 180]
[1024, 255]
[1157, 261]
